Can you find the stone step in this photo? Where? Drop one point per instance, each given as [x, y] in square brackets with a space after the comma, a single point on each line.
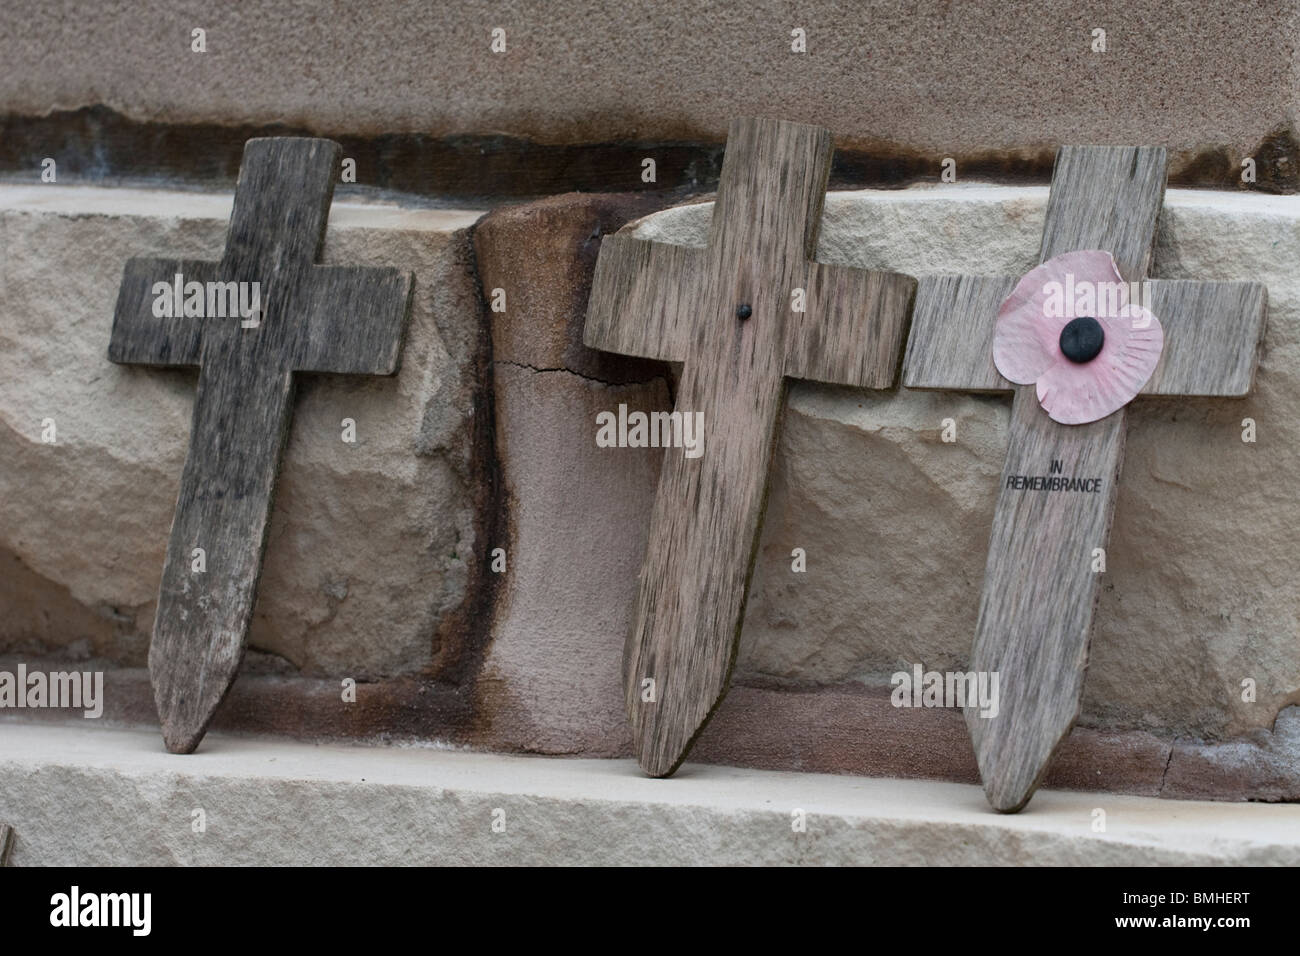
[81, 796]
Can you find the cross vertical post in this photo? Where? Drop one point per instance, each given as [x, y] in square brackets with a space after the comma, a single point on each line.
[307, 317]
[1040, 582]
[726, 312]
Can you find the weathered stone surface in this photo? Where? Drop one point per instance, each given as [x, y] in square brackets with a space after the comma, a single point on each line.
[1260, 765]
[118, 800]
[1203, 575]
[541, 256]
[895, 522]
[938, 78]
[853, 728]
[579, 517]
[369, 544]
[578, 514]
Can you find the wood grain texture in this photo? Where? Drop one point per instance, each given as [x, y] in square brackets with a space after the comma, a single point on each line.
[831, 342]
[141, 338]
[1213, 331]
[314, 318]
[656, 301]
[951, 342]
[1039, 592]
[6, 843]
[656, 282]
[1106, 197]
[1036, 608]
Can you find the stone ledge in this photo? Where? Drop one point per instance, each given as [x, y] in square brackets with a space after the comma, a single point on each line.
[72, 200]
[81, 796]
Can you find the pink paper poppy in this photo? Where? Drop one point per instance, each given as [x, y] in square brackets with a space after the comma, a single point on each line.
[1073, 327]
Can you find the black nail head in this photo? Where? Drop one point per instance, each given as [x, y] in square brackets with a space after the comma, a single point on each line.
[743, 312]
[1082, 339]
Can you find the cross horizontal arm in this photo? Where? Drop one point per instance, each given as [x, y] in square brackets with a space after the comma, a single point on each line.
[142, 338]
[852, 328]
[951, 344]
[1213, 331]
[351, 320]
[644, 298]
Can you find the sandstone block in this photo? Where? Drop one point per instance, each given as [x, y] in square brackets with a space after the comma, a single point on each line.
[370, 544]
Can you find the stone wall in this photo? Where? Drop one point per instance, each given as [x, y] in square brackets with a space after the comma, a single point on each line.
[582, 93]
[378, 560]
[924, 76]
[378, 554]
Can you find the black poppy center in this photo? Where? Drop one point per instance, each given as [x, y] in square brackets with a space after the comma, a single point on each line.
[1081, 339]
[744, 311]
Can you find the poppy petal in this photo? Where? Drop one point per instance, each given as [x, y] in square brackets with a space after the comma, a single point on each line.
[1075, 394]
[1027, 333]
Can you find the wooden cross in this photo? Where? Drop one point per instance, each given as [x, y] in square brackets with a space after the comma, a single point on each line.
[1040, 588]
[728, 311]
[312, 318]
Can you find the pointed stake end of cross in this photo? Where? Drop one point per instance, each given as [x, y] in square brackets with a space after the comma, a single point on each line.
[1006, 795]
[654, 762]
[1006, 802]
[184, 718]
[661, 749]
[182, 729]
[181, 741]
[655, 754]
[1012, 764]
[653, 767]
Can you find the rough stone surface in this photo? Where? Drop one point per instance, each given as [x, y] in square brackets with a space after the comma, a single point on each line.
[579, 517]
[930, 76]
[541, 256]
[895, 522]
[1203, 580]
[1258, 766]
[78, 798]
[369, 543]
[578, 514]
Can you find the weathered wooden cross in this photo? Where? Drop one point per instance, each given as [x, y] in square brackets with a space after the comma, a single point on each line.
[1040, 587]
[292, 316]
[730, 313]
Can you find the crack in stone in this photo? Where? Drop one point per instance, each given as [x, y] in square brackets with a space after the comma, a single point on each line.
[587, 378]
[1168, 760]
